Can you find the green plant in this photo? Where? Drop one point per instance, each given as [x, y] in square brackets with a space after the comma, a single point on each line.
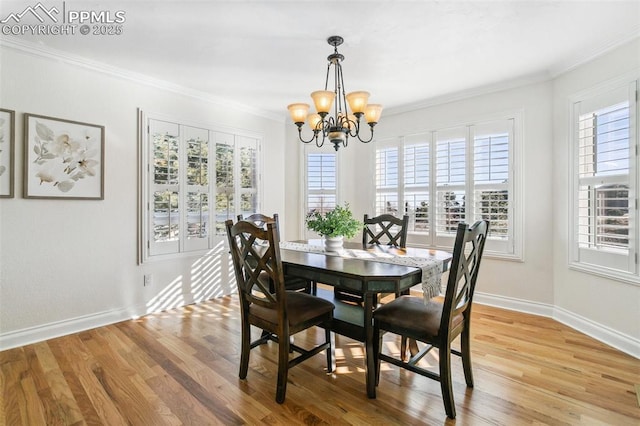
[334, 223]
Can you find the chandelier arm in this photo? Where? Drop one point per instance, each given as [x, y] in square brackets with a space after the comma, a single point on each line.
[321, 128]
[354, 127]
[314, 136]
[329, 122]
[324, 129]
[370, 138]
[319, 144]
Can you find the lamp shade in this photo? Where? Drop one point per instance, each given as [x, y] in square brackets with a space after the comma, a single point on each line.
[372, 113]
[313, 120]
[323, 99]
[298, 112]
[358, 101]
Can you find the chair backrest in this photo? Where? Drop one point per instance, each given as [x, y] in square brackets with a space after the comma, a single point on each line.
[256, 258]
[260, 220]
[467, 254]
[385, 229]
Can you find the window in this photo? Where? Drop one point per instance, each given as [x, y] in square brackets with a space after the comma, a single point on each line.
[417, 165]
[189, 172]
[605, 231]
[387, 181]
[236, 178]
[451, 176]
[451, 172]
[321, 182]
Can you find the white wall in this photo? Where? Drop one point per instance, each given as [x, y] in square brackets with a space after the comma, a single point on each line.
[66, 265]
[611, 304]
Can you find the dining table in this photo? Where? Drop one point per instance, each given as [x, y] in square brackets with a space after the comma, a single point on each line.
[370, 270]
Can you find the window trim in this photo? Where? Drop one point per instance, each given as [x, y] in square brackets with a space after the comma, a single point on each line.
[630, 81]
[145, 171]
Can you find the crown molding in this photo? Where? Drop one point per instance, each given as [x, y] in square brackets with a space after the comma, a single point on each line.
[578, 60]
[540, 77]
[470, 93]
[552, 73]
[75, 60]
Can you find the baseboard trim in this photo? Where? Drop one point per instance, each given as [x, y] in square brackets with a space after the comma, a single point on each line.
[602, 333]
[620, 341]
[26, 336]
[513, 304]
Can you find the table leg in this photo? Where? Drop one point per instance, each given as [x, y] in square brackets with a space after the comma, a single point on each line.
[368, 327]
[413, 347]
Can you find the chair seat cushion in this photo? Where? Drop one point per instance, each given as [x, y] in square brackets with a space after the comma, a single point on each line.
[301, 307]
[410, 314]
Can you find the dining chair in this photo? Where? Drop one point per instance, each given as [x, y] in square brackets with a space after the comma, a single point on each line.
[437, 322]
[384, 229]
[291, 283]
[266, 304]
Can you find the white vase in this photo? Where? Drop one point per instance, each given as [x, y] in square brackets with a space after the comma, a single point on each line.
[333, 243]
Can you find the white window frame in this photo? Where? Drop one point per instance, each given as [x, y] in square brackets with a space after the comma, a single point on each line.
[305, 191]
[150, 250]
[416, 188]
[389, 190]
[509, 249]
[621, 265]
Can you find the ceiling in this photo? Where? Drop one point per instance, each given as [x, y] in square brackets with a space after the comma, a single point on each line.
[267, 54]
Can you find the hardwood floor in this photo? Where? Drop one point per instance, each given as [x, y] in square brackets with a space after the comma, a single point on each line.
[181, 367]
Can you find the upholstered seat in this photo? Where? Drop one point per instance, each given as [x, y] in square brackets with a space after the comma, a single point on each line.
[407, 311]
[301, 308]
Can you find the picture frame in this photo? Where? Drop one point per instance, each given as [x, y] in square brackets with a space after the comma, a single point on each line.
[63, 159]
[7, 152]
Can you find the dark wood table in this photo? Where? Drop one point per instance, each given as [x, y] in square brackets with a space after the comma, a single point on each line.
[368, 276]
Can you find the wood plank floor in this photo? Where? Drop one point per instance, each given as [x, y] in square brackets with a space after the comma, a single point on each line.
[181, 367]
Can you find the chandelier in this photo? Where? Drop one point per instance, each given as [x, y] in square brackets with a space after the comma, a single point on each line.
[342, 124]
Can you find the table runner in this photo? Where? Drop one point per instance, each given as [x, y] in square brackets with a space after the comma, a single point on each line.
[431, 268]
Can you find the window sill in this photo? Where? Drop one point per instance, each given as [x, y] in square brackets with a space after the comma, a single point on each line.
[487, 254]
[604, 272]
[218, 248]
[510, 257]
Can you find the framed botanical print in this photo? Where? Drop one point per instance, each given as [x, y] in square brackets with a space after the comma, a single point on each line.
[63, 159]
[7, 154]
